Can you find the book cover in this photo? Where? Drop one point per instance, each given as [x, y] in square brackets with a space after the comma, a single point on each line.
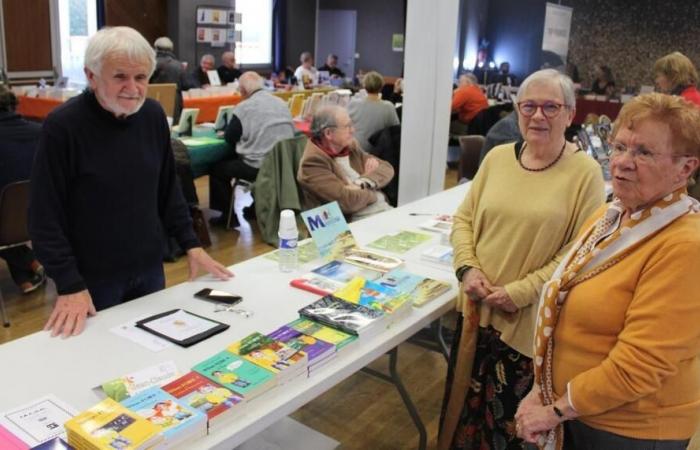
[38, 421]
[439, 224]
[343, 315]
[420, 289]
[203, 394]
[10, 441]
[236, 374]
[175, 420]
[306, 252]
[400, 242]
[269, 353]
[441, 254]
[319, 331]
[329, 230]
[374, 295]
[132, 383]
[343, 272]
[369, 259]
[314, 348]
[109, 425]
[316, 284]
[53, 444]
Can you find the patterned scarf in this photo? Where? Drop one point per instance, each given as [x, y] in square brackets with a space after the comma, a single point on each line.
[604, 244]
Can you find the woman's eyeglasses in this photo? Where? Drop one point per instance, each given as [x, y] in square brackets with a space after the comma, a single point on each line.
[549, 109]
[640, 154]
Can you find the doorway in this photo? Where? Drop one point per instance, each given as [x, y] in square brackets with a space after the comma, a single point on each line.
[335, 33]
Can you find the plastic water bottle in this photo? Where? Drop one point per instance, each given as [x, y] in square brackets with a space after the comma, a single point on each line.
[288, 236]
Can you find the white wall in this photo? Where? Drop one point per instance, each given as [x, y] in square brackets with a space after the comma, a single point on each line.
[431, 31]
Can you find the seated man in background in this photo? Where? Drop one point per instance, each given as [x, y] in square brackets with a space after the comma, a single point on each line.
[371, 114]
[306, 73]
[467, 102]
[332, 68]
[200, 78]
[104, 188]
[18, 141]
[504, 76]
[257, 123]
[169, 70]
[228, 72]
[335, 168]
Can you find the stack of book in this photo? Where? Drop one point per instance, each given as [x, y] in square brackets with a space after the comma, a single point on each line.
[317, 350]
[345, 316]
[285, 362]
[378, 296]
[178, 423]
[438, 254]
[441, 224]
[419, 289]
[111, 425]
[236, 374]
[337, 338]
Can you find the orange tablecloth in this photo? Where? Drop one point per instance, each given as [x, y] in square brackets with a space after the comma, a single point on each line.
[585, 107]
[303, 126]
[209, 106]
[36, 108]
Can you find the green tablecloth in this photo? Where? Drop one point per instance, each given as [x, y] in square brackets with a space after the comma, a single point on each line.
[204, 148]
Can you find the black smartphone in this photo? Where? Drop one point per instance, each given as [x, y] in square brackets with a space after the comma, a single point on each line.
[218, 296]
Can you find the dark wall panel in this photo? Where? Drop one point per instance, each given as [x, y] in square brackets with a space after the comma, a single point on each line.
[27, 35]
[149, 17]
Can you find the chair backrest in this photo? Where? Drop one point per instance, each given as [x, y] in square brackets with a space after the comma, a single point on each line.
[165, 95]
[296, 103]
[14, 203]
[469, 159]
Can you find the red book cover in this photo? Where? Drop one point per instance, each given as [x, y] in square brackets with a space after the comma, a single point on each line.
[203, 394]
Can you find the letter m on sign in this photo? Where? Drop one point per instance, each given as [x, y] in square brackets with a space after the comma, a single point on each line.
[315, 222]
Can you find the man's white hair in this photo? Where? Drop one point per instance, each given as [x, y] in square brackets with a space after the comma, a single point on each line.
[250, 82]
[112, 42]
[163, 43]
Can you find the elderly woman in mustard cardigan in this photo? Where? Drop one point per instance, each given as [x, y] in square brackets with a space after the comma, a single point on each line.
[335, 168]
[617, 346]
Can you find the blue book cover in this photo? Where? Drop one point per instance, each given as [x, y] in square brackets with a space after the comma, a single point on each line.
[344, 272]
[53, 444]
[166, 412]
[329, 230]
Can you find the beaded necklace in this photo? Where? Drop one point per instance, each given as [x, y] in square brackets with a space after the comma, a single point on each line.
[520, 161]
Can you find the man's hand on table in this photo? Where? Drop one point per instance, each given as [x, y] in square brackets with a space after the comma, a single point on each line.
[69, 314]
[197, 257]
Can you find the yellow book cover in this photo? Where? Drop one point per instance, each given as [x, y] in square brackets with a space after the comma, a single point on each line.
[109, 425]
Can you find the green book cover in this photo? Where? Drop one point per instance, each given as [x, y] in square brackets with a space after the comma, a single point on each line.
[322, 332]
[400, 242]
[235, 373]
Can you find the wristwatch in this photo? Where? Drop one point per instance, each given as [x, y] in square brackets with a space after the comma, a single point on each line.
[459, 273]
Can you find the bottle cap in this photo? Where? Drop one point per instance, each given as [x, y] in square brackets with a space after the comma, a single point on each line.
[288, 223]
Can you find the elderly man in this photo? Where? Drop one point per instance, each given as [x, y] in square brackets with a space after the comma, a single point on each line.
[467, 102]
[170, 70]
[228, 72]
[332, 68]
[335, 168]
[306, 73]
[257, 123]
[200, 77]
[103, 182]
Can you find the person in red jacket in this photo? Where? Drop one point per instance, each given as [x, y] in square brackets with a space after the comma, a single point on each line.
[467, 102]
[675, 74]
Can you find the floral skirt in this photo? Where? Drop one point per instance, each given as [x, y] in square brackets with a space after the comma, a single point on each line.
[501, 377]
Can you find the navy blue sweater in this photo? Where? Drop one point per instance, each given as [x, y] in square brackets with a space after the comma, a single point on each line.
[101, 187]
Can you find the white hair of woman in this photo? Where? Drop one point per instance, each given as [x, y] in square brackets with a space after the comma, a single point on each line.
[550, 76]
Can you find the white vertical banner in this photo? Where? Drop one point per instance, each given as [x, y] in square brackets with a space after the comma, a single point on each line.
[557, 27]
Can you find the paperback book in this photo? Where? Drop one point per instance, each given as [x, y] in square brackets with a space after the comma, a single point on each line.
[345, 316]
[109, 425]
[316, 350]
[322, 332]
[439, 224]
[38, 421]
[439, 254]
[127, 385]
[376, 296]
[178, 422]
[282, 360]
[400, 242]
[196, 391]
[419, 289]
[53, 444]
[235, 373]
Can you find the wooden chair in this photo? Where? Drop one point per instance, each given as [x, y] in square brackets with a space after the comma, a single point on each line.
[469, 159]
[14, 202]
[165, 95]
[296, 103]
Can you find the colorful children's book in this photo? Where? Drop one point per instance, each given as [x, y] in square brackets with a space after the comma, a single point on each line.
[284, 361]
[132, 383]
[374, 295]
[319, 331]
[37, 421]
[329, 230]
[178, 422]
[345, 316]
[199, 392]
[235, 373]
[420, 289]
[316, 349]
[400, 242]
[109, 425]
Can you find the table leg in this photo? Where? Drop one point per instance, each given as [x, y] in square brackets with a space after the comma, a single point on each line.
[3, 312]
[395, 379]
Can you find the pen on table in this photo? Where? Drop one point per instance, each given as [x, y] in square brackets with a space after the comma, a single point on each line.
[422, 214]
